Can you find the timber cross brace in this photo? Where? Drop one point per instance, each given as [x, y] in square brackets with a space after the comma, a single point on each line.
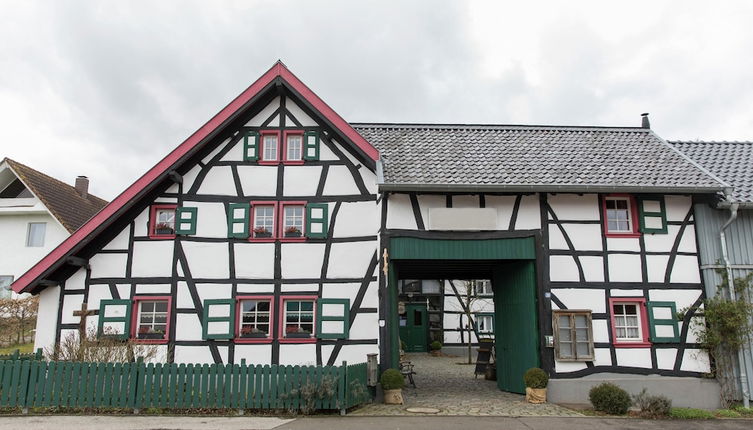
[83, 314]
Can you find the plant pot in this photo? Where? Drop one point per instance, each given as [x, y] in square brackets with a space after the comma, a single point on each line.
[152, 336]
[535, 395]
[164, 231]
[436, 353]
[254, 335]
[298, 335]
[491, 373]
[262, 235]
[393, 397]
[296, 234]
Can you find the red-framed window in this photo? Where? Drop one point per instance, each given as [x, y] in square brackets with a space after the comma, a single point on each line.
[162, 221]
[292, 221]
[629, 322]
[255, 319]
[294, 147]
[269, 147]
[264, 221]
[620, 215]
[297, 319]
[150, 319]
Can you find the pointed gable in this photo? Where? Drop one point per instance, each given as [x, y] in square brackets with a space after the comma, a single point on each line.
[266, 87]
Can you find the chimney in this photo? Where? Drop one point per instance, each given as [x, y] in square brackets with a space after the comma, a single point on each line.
[644, 121]
[82, 186]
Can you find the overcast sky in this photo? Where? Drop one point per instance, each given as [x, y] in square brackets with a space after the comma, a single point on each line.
[106, 89]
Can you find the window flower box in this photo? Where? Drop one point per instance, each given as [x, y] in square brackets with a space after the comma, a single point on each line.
[163, 229]
[298, 335]
[252, 333]
[262, 232]
[292, 232]
[151, 335]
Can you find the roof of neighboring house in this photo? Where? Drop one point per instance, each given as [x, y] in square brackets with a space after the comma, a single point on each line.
[513, 157]
[61, 199]
[731, 161]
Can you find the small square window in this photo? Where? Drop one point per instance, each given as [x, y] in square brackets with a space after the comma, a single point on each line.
[269, 145]
[264, 221]
[255, 318]
[152, 318]
[629, 322]
[292, 221]
[573, 335]
[298, 318]
[162, 222]
[35, 234]
[485, 324]
[294, 147]
[483, 287]
[619, 216]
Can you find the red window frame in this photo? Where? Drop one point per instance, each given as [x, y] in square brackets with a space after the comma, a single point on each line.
[238, 316]
[135, 318]
[281, 222]
[633, 211]
[252, 220]
[642, 318]
[285, 134]
[263, 133]
[281, 322]
[153, 220]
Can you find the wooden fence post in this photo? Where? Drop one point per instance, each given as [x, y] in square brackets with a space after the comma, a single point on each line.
[138, 386]
[344, 388]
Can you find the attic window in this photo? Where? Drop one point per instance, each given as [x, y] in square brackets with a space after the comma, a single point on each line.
[162, 222]
[620, 216]
[15, 190]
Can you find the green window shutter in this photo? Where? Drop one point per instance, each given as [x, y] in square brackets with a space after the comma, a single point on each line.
[332, 318]
[218, 321]
[317, 220]
[652, 215]
[311, 146]
[114, 318]
[662, 320]
[237, 220]
[186, 221]
[251, 146]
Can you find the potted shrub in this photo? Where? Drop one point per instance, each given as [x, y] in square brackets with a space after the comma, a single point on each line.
[392, 384]
[436, 348]
[163, 228]
[252, 332]
[262, 232]
[536, 380]
[146, 332]
[294, 331]
[292, 232]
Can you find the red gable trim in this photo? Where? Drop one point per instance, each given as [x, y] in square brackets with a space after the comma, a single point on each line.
[278, 70]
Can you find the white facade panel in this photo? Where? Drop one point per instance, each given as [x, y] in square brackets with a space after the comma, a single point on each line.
[213, 291]
[557, 239]
[529, 217]
[256, 288]
[299, 114]
[634, 357]
[469, 219]
[301, 180]
[211, 219]
[235, 153]
[665, 358]
[582, 298]
[97, 293]
[207, 260]
[153, 289]
[77, 281]
[659, 242]
[365, 326]
[562, 268]
[465, 201]
[108, 265]
[339, 182]
[625, 293]
[254, 354]
[49, 302]
[356, 219]
[504, 206]
[254, 260]
[301, 354]
[623, 244]
[354, 354]
[120, 242]
[625, 268]
[585, 237]
[677, 207]
[568, 366]
[600, 331]
[258, 180]
[602, 357]
[348, 260]
[656, 267]
[593, 268]
[575, 207]
[426, 202]
[193, 354]
[215, 151]
[291, 288]
[218, 181]
[71, 303]
[187, 327]
[686, 270]
[302, 260]
[695, 360]
[265, 113]
[400, 212]
[152, 258]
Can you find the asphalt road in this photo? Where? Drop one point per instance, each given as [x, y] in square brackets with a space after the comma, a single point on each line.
[359, 423]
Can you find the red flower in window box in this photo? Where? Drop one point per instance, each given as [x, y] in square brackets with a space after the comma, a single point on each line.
[262, 232]
[146, 332]
[296, 331]
[163, 228]
[251, 331]
[292, 231]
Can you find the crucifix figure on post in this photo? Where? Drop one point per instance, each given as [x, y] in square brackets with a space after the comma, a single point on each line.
[83, 313]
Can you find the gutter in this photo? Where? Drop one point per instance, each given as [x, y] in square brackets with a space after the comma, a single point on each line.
[731, 287]
[548, 188]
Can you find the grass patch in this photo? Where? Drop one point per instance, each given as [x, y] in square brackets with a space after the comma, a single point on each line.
[727, 413]
[690, 414]
[25, 348]
[746, 412]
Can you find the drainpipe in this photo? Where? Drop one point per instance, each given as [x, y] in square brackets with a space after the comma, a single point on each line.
[731, 286]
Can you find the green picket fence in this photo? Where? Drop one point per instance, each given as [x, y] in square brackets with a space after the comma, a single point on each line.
[29, 384]
[17, 355]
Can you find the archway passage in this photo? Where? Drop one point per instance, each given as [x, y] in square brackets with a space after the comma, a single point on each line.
[508, 262]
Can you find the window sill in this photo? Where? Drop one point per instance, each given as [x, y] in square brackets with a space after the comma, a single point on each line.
[575, 360]
[162, 236]
[293, 162]
[253, 340]
[631, 344]
[311, 339]
[150, 341]
[268, 162]
[262, 239]
[625, 235]
[293, 239]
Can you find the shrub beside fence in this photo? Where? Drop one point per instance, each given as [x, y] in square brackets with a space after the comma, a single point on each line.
[30, 383]
[17, 355]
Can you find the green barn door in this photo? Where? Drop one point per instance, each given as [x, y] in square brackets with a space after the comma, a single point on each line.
[515, 324]
[414, 327]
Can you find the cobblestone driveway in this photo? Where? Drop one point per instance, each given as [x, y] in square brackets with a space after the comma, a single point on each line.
[450, 387]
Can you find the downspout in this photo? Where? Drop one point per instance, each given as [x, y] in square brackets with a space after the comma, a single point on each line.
[731, 286]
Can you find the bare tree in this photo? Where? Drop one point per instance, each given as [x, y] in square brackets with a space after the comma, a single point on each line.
[18, 318]
[467, 297]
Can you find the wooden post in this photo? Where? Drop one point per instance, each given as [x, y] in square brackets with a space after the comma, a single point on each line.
[83, 314]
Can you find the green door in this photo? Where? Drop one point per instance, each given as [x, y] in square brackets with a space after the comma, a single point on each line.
[515, 324]
[414, 327]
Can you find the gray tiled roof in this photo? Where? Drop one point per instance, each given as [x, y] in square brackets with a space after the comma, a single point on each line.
[730, 161]
[531, 157]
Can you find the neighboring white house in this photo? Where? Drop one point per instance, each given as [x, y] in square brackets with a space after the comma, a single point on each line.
[37, 212]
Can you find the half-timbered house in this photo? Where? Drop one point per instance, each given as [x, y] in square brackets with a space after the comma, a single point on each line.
[280, 233]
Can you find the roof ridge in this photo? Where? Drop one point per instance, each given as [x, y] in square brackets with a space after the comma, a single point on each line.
[492, 126]
[712, 142]
[46, 176]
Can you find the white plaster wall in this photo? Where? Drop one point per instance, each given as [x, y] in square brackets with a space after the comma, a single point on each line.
[665, 358]
[193, 354]
[529, 216]
[451, 337]
[562, 268]
[15, 257]
[568, 366]
[141, 223]
[686, 270]
[600, 331]
[557, 239]
[658, 242]
[215, 151]
[207, 260]
[350, 260]
[301, 180]
[656, 267]
[469, 219]
[300, 354]
[299, 114]
[426, 202]
[582, 298]
[623, 244]
[356, 219]
[49, 301]
[634, 357]
[695, 360]
[190, 177]
[183, 298]
[574, 206]
[504, 206]
[258, 180]
[292, 288]
[400, 212]
[593, 268]
[682, 298]
[339, 182]
[213, 291]
[256, 288]
[254, 354]
[302, 260]
[262, 116]
[108, 265]
[465, 201]
[625, 268]
[254, 260]
[677, 207]
[602, 357]
[152, 258]
[211, 219]
[153, 288]
[688, 241]
[585, 237]
[353, 354]
[235, 153]
[71, 303]
[166, 200]
[365, 326]
[97, 293]
[120, 242]
[625, 293]
[326, 154]
[77, 281]
[218, 181]
[188, 327]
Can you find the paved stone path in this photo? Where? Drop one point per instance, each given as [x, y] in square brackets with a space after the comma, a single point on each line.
[450, 387]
